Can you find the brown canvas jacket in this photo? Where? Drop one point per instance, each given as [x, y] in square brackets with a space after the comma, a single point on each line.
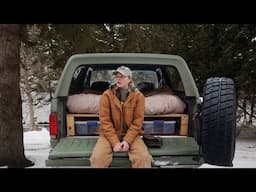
[113, 114]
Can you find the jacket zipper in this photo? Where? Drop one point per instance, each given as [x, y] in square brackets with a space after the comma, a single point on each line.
[122, 119]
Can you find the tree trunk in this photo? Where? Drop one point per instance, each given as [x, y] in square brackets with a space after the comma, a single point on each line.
[244, 108]
[50, 90]
[32, 125]
[252, 108]
[28, 91]
[11, 130]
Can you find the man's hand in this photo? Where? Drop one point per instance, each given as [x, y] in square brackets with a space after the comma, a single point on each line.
[125, 146]
[121, 147]
[117, 147]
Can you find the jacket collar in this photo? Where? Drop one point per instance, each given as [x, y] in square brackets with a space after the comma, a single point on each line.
[113, 89]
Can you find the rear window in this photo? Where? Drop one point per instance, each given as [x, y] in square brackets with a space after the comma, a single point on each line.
[137, 76]
[99, 77]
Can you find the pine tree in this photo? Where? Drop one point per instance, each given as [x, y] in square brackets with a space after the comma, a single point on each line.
[11, 131]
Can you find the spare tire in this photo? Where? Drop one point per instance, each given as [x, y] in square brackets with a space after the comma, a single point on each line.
[218, 128]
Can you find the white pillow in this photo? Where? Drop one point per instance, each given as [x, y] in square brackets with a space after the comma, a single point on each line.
[83, 103]
[163, 104]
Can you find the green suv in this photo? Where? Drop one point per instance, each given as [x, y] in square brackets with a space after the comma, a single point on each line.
[202, 132]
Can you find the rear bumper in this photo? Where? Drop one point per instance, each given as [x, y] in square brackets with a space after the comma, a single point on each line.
[123, 162]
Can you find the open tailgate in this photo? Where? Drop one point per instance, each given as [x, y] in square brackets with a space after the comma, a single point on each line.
[77, 151]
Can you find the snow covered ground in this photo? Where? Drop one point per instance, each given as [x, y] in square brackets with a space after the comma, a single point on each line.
[37, 147]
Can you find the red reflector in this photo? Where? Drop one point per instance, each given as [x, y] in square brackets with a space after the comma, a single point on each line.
[53, 124]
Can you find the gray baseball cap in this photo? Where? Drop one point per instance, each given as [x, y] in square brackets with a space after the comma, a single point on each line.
[124, 71]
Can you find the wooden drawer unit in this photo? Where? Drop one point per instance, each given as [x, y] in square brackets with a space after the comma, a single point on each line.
[71, 118]
[181, 119]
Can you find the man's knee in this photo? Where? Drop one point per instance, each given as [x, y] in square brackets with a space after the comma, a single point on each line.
[102, 154]
[100, 161]
[143, 160]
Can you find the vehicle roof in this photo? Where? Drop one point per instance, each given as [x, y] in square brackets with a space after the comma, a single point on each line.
[126, 59]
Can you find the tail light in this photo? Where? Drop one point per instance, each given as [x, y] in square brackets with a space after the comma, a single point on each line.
[53, 125]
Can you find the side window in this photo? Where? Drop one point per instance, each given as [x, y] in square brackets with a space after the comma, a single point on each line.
[78, 80]
[78, 72]
[174, 78]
